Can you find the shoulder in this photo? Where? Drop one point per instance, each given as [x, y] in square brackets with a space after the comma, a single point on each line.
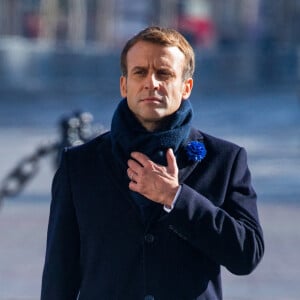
[90, 145]
[88, 149]
[87, 156]
[216, 146]
[223, 157]
[213, 141]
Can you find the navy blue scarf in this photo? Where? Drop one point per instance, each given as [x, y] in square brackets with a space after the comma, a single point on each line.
[129, 135]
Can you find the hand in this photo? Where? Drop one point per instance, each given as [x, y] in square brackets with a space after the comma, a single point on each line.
[156, 182]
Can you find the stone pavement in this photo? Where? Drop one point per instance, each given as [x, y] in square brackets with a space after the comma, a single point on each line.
[23, 235]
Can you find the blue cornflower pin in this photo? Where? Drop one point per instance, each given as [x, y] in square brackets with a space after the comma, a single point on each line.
[195, 151]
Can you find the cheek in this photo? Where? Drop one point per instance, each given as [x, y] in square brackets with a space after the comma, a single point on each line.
[133, 88]
[175, 91]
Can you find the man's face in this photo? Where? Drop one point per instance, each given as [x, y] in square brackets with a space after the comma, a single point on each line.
[154, 84]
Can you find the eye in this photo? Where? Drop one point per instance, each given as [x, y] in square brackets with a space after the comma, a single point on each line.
[140, 72]
[164, 74]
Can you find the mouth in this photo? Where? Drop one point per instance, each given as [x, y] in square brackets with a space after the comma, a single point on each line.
[151, 100]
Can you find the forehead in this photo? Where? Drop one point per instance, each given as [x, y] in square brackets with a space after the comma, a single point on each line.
[146, 53]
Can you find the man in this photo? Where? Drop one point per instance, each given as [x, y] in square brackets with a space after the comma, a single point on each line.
[153, 208]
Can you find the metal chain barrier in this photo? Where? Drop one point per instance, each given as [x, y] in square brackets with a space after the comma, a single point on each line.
[75, 129]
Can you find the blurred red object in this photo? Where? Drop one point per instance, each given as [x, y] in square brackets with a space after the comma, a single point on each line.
[200, 31]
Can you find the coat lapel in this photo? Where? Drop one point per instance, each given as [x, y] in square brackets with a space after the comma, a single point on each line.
[118, 177]
[187, 167]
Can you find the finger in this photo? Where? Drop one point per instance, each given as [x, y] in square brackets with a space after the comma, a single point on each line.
[134, 166]
[171, 161]
[141, 158]
[133, 186]
[130, 174]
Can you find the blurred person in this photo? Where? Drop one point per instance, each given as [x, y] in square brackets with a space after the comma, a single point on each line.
[153, 208]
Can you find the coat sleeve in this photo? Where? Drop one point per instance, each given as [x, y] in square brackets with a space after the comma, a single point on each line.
[231, 234]
[61, 275]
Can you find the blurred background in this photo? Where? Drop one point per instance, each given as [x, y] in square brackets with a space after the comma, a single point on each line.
[60, 59]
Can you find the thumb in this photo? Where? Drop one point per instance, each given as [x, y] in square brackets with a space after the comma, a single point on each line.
[171, 161]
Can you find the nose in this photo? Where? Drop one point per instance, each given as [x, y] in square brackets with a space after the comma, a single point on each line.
[151, 82]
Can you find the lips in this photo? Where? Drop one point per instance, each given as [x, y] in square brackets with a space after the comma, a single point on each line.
[151, 99]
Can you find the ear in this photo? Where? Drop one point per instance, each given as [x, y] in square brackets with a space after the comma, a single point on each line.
[187, 88]
[123, 86]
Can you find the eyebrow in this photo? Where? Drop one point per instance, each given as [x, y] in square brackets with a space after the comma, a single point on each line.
[141, 68]
[138, 68]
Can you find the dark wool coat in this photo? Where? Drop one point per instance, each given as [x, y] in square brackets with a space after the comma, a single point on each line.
[98, 246]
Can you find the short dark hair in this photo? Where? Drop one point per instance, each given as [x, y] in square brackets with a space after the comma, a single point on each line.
[166, 37]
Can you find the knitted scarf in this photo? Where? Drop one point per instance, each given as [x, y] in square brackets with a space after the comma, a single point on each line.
[129, 135]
